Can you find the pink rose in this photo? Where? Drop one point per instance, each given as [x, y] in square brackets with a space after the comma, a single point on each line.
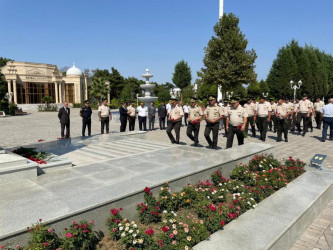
[69, 235]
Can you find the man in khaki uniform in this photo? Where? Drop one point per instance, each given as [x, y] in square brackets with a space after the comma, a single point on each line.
[294, 115]
[303, 111]
[250, 108]
[282, 112]
[194, 118]
[291, 108]
[318, 105]
[213, 114]
[131, 116]
[263, 116]
[272, 122]
[175, 117]
[105, 116]
[236, 122]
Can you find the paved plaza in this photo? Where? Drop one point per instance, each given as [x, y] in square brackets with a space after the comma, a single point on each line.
[25, 130]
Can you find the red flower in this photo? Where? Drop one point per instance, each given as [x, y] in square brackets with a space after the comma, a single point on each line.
[69, 235]
[147, 190]
[152, 213]
[40, 140]
[46, 244]
[40, 220]
[114, 211]
[171, 235]
[222, 223]
[160, 242]
[150, 231]
[212, 207]
[85, 231]
[165, 229]
[114, 230]
[92, 222]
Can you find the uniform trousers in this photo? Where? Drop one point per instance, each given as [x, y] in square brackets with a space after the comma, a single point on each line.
[300, 117]
[131, 121]
[327, 122]
[174, 126]
[86, 122]
[151, 120]
[185, 118]
[143, 122]
[193, 128]
[293, 121]
[105, 121]
[63, 125]
[250, 121]
[272, 123]
[162, 122]
[212, 127]
[310, 122]
[262, 126]
[225, 124]
[318, 119]
[282, 127]
[230, 136]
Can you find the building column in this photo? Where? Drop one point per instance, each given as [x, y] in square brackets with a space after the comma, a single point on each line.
[56, 92]
[15, 91]
[9, 90]
[60, 92]
[86, 88]
[62, 86]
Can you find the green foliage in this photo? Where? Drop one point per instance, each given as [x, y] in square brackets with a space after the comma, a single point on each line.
[42, 237]
[227, 61]
[182, 76]
[162, 91]
[12, 108]
[98, 89]
[47, 99]
[308, 64]
[115, 103]
[112, 223]
[3, 82]
[254, 89]
[47, 108]
[150, 210]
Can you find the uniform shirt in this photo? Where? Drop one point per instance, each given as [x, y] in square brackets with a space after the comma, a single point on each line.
[291, 106]
[214, 112]
[273, 107]
[176, 112]
[131, 109]
[327, 110]
[195, 112]
[186, 109]
[105, 110]
[304, 106]
[282, 110]
[86, 112]
[225, 110]
[318, 106]
[263, 109]
[296, 106]
[141, 111]
[250, 108]
[236, 115]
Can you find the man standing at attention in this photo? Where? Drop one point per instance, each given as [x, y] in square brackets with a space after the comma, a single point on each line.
[327, 115]
[63, 116]
[132, 116]
[105, 116]
[175, 117]
[304, 110]
[213, 114]
[263, 117]
[250, 108]
[123, 116]
[162, 113]
[194, 119]
[236, 122]
[151, 116]
[282, 114]
[85, 113]
[142, 115]
[185, 108]
[318, 105]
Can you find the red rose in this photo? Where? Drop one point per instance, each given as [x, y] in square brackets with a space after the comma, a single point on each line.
[194, 122]
[222, 223]
[165, 229]
[150, 231]
[147, 190]
[160, 242]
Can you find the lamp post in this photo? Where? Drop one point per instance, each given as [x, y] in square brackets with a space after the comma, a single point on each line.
[137, 100]
[295, 87]
[229, 94]
[195, 88]
[265, 94]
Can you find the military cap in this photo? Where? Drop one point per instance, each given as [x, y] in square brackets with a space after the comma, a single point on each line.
[193, 99]
[212, 97]
[86, 101]
[226, 101]
[286, 98]
[105, 100]
[235, 99]
[262, 97]
[305, 95]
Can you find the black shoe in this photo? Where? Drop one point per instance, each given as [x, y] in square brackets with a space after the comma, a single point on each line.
[303, 134]
[298, 133]
[323, 140]
[278, 140]
[286, 140]
[312, 130]
[263, 139]
[83, 135]
[173, 142]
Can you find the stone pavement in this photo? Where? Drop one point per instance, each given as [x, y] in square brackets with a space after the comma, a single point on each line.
[23, 130]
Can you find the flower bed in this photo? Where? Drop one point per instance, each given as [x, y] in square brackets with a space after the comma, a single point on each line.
[32, 154]
[180, 220]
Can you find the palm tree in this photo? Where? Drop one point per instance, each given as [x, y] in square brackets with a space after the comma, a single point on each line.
[99, 89]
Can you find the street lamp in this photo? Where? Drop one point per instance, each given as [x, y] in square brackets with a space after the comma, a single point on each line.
[265, 94]
[195, 88]
[137, 100]
[295, 87]
[229, 95]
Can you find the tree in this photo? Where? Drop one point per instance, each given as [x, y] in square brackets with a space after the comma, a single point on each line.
[264, 88]
[227, 61]
[182, 76]
[98, 89]
[3, 82]
[162, 91]
[117, 83]
[64, 69]
[254, 89]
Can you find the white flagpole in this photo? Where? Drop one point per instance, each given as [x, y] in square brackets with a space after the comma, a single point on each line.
[219, 87]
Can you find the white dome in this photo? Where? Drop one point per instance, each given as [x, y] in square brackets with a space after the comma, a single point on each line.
[74, 71]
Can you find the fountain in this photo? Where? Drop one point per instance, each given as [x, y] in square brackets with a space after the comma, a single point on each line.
[148, 88]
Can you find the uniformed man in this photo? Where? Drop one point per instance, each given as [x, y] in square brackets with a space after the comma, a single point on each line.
[213, 113]
[131, 116]
[263, 117]
[85, 113]
[294, 115]
[105, 116]
[250, 108]
[195, 115]
[318, 105]
[175, 117]
[282, 112]
[312, 113]
[291, 108]
[236, 123]
[272, 122]
[303, 111]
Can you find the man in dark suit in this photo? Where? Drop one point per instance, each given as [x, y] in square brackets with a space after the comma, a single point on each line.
[63, 115]
[162, 113]
[123, 117]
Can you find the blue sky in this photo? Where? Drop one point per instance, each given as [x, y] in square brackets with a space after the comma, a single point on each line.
[132, 35]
